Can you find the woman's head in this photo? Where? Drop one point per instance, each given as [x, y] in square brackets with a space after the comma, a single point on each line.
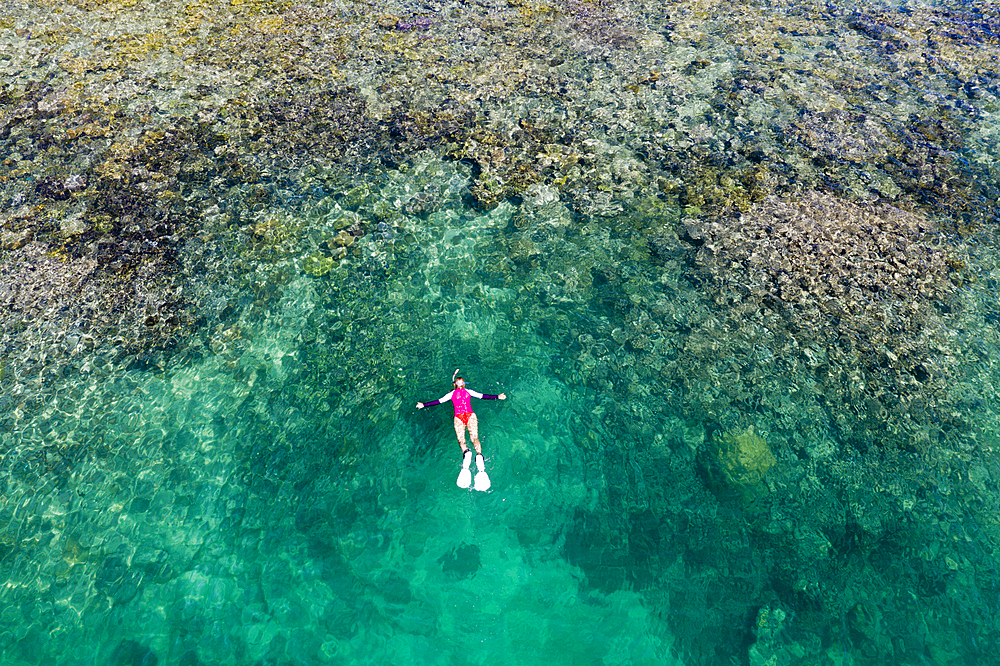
[458, 382]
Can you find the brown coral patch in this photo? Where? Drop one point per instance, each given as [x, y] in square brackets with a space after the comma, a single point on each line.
[867, 294]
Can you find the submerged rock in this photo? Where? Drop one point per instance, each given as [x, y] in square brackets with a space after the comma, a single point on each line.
[133, 653]
[461, 562]
[744, 457]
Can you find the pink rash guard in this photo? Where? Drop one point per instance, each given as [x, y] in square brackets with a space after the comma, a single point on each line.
[460, 399]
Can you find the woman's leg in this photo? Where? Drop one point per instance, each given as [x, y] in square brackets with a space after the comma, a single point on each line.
[474, 434]
[460, 433]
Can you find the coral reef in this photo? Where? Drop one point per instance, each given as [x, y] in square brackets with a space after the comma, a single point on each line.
[234, 236]
[61, 314]
[868, 294]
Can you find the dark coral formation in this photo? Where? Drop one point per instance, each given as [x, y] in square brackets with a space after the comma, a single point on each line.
[57, 310]
[867, 294]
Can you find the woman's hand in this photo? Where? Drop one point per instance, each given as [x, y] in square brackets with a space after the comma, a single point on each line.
[502, 396]
[420, 405]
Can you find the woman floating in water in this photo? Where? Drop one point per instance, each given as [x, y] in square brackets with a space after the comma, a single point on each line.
[466, 418]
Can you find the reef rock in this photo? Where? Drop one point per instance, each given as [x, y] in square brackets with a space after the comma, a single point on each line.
[744, 457]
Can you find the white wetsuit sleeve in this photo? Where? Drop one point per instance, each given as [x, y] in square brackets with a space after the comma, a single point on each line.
[445, 398]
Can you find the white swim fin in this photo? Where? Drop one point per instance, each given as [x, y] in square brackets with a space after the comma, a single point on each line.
[465, 476]
[482, 479]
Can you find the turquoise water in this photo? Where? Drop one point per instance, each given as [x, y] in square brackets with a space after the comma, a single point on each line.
[277, 504]
[734, 267]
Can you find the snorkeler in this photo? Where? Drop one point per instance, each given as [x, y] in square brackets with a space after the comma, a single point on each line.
[466, 418]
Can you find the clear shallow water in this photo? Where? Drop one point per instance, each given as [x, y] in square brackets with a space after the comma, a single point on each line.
[687, 469]
[215, 521]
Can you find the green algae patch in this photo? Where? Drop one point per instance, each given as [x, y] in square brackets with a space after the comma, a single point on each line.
[317, 264]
